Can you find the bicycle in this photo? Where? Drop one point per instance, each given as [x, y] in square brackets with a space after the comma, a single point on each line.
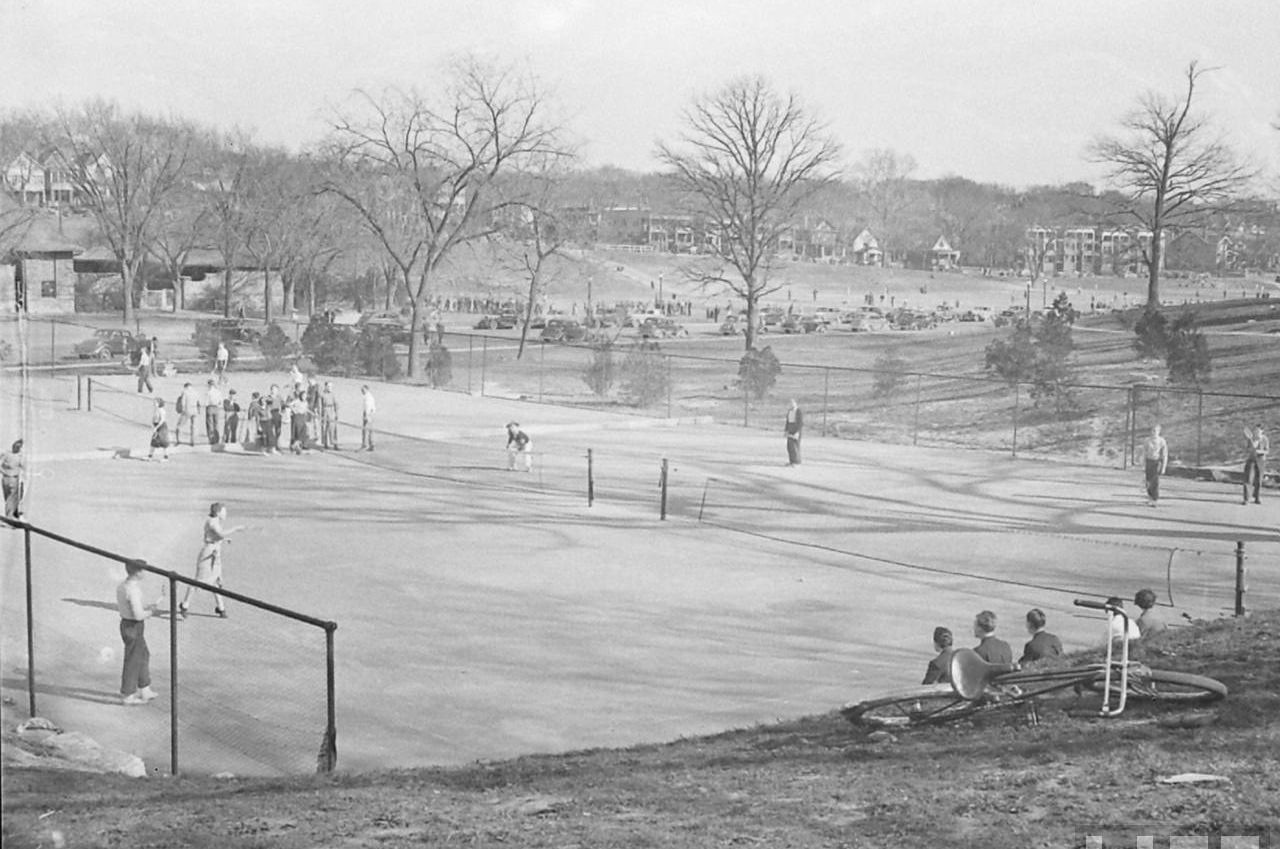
[979, 686]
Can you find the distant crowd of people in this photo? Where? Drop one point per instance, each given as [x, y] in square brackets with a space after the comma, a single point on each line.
[1042, 644]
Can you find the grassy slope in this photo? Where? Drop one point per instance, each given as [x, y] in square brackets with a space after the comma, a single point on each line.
[808, 783]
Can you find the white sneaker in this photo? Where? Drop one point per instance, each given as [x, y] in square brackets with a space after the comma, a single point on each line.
[147, 694]
[133, 699]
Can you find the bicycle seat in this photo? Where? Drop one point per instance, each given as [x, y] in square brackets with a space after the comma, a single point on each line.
[970, 674]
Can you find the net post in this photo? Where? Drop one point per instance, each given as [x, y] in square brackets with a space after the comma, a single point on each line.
[484, 358]
[591, 479]
[1199, 422]
[1240, 587]
[31, 638]
[89, 394]
[542, 367]
[79, 391]
[471, 345]
[662, 510]
[173, 673]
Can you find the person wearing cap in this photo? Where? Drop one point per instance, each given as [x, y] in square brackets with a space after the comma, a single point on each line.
[939, 669]
[518, 446]
[13, 472]
[1042, 644]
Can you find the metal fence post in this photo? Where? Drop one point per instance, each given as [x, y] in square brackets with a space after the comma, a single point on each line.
[915, 414]
[329, 747]
[471, 344]
[668, 359]
[826, 393]
[79, 391]
[746, 407]
[542, 360]
[1199, 422]
[1240, 587]
[53, 332]
[1017, 399]
[31, 637]
[484, 359]
[662, 512]
[173, 674]
[591, 479]
[89, 394]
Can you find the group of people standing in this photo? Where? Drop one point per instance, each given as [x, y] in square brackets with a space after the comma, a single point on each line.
[1042, 644]
[303, 417]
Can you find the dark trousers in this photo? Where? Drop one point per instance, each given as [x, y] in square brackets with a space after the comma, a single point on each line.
[793, 450]
[144, 379]
[137, 657]
[1153, 480]
[1252, 472]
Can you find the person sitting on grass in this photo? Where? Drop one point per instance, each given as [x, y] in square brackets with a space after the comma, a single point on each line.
[990, 648]
[1152, 621]
[1042, 644]
[1116, 629]
[939, 669]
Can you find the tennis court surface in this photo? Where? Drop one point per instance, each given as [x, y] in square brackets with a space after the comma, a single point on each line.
[484, 613]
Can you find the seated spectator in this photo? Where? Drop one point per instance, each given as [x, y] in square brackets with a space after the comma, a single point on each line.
[990, 648]
[1152, 621]
[1042, 644]
[1116, 630]
[939, 669]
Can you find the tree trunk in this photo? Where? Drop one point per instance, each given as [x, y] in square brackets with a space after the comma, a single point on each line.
[126, 282]
[528, 313]
[753, 310]
[415, 321]
[1153, 272]
[266, 294]
[226, 289]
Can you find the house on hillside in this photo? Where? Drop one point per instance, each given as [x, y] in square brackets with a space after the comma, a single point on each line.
[39, 180]
[943, 257]
[865, 249]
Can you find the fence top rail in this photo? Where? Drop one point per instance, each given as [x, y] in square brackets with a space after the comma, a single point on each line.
[19, 524]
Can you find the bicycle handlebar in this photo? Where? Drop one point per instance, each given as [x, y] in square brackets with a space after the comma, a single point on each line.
[1095, 605]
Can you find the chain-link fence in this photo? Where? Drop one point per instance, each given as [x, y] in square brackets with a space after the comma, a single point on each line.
[1090, 423]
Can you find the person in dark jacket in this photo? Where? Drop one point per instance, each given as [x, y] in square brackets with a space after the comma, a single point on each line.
[990, 648]
[1042, 644]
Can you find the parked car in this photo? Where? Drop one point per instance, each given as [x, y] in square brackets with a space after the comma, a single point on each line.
[487, 322]
[507, 320]
[914, 320]
[105, 344]
[233, 330]
[563, 330]
[661, 328]
[865, 320]
[803, 324]
[733, 325]
[772, 317]
[390, 324]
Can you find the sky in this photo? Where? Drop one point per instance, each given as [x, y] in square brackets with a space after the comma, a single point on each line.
[1004, 91]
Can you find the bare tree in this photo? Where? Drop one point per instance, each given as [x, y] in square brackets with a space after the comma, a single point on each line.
[1170, 168]
[539, 228]
[124, 167]
[747, 161]
[226, 181]
[883, 179]
[421, 173]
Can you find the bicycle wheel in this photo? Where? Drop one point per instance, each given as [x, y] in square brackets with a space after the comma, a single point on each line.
[1162, 686]
[921, 706]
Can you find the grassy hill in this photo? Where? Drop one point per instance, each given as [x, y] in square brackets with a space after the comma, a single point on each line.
[997, 782]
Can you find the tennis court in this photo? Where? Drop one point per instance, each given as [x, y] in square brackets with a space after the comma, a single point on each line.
[485, 613]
